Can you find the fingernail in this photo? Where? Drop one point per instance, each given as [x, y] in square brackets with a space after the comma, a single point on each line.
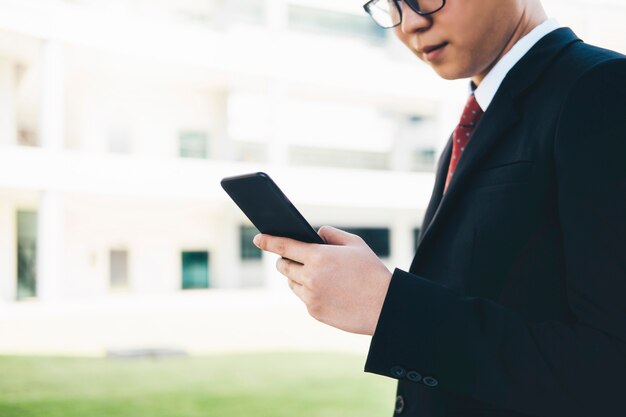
[256, 240]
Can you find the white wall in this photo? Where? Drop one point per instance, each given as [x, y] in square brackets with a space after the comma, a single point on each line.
[154, 232]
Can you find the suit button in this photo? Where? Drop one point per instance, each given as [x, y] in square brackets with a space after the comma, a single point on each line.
[398, 372]
[430, 381]
[413, 376]
[399, 404]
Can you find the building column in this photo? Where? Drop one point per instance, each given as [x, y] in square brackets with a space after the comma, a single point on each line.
[277, 15]
[8, 253]
[50, 246]
[50, 251]
[221, 146]
[228, 263]
[52, 122]
[449, 115]
[402, 247]
[8, 98]
[274, 281]
[402, 150]
[278, 147]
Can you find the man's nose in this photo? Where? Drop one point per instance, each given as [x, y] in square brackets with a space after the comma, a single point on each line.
[413, 22]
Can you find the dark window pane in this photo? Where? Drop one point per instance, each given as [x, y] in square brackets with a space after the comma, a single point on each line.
[195, 270]
[248, 250]
[26, 254]
[376, 238]
[416, 237]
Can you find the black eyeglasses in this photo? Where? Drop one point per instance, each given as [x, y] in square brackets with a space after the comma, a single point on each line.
[388, 13]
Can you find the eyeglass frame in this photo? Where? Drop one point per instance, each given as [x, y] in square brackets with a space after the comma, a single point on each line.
[366, 7]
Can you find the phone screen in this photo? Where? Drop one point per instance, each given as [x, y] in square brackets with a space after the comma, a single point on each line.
[268, 208]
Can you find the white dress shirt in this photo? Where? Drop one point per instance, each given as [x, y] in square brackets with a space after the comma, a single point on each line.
[487, 89]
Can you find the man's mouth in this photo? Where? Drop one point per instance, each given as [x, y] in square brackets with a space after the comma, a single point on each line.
[432, 51]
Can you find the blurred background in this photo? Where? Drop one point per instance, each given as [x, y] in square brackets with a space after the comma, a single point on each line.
[118, 118]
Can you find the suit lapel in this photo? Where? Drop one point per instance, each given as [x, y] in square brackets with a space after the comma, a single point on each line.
[501, 116]
[490, 129]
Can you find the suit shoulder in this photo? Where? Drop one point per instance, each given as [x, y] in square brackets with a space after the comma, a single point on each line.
[593, 53]
[600, 79]
[581, 60]
[591, 117]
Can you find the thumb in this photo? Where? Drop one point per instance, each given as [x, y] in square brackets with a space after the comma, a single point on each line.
[334, 236]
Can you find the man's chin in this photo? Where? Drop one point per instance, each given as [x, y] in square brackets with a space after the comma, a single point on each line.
[450, 73]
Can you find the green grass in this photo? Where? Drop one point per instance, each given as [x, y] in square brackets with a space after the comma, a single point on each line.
[261, 385]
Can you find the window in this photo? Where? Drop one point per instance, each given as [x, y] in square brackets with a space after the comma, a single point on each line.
[118, 267]
[195, 270]
[26, 254]
[193, 144]
[248, 11]
[333, 23]
[415, 119]
[250, 152]
[26, 137]
[424, 159]
[416, 238]
[248, 250]
[378, 239]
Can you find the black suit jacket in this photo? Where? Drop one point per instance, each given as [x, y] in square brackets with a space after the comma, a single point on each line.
[515, 304]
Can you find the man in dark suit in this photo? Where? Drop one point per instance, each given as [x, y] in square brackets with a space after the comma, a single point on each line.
[515, 303]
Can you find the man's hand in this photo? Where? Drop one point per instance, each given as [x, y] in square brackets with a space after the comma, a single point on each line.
[343, 283]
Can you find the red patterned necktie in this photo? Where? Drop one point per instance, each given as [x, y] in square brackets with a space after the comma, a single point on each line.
[463, 133]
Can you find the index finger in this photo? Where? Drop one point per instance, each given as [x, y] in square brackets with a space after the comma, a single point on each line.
[283, 247]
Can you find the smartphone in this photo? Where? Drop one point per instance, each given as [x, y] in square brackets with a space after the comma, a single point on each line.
[268, 208]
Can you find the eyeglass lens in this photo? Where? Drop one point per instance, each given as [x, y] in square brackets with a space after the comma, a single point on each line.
[388, 13]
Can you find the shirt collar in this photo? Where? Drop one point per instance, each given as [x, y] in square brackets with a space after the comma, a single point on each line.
[487, 89]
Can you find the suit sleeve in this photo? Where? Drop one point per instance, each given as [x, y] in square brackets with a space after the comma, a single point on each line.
[479, 349]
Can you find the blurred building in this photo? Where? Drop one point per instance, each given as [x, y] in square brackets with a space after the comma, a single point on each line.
[119, 118]
[123, 116]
